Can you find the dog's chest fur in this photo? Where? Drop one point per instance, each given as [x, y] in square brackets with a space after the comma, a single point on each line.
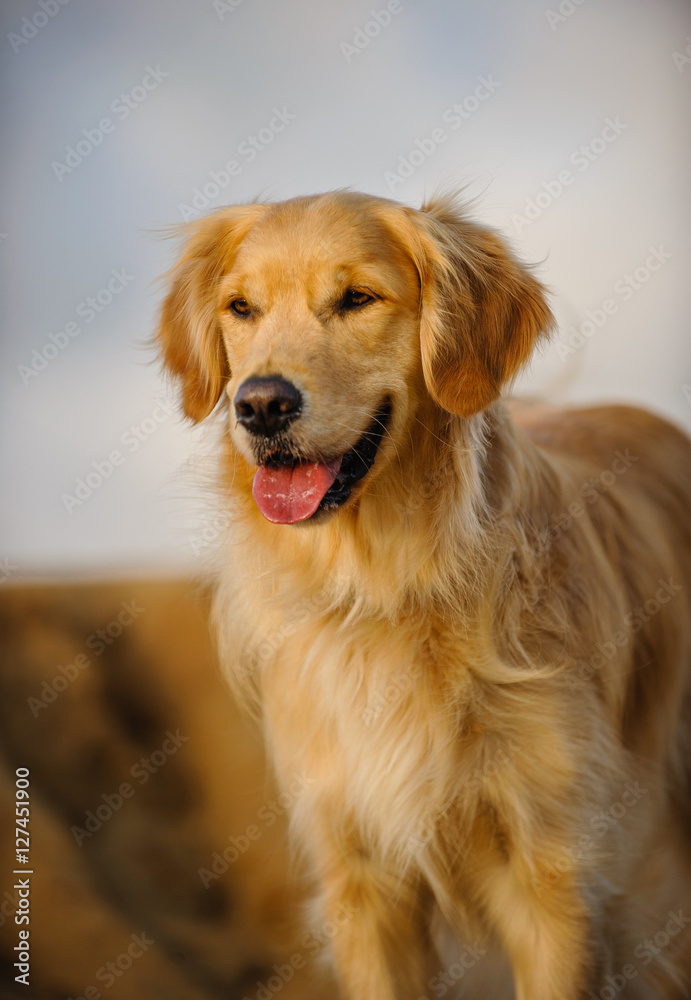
[388, 730]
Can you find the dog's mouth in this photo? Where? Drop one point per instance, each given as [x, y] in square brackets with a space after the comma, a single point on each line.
[287, 489]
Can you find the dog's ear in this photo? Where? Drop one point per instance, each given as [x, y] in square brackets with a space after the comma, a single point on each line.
[189, 337]
[481, 309]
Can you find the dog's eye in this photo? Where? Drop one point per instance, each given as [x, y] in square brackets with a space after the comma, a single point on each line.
[355, 298]
[240, 306]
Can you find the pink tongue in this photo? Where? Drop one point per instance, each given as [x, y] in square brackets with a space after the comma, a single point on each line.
[290, 493]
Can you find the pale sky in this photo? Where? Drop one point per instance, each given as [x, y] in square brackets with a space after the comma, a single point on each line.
[569, 130]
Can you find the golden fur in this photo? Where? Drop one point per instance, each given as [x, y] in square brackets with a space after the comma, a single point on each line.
[480, 663]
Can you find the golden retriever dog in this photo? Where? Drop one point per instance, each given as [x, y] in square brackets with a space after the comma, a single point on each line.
[469, 631]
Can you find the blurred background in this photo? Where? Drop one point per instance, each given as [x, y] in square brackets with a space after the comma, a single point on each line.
[566, 124]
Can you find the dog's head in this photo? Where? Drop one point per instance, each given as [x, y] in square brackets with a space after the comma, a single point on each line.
[328, 321]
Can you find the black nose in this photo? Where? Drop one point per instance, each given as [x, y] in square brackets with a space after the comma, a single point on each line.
[266, 405]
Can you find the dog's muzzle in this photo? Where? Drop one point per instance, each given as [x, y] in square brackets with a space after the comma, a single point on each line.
[289, 488]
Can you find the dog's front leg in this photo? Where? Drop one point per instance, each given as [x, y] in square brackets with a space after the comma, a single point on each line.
[548, 937]
[380, 940]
